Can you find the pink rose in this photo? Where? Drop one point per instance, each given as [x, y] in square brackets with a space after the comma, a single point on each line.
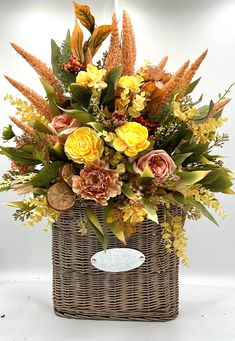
[62, 126]
[62, 122]
[160, 163]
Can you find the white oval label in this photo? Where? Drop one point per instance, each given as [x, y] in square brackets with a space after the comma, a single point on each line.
[118, 259]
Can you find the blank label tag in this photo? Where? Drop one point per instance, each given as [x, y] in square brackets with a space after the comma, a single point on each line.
[118, 259]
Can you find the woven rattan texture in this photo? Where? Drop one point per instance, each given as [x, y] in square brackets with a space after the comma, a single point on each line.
[148, 293]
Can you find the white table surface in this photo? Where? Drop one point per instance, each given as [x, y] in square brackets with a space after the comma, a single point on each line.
[207, 313]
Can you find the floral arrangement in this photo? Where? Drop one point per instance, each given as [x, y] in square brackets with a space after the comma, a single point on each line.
[128, 140]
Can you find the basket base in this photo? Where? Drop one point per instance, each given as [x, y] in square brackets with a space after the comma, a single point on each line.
[142, 317]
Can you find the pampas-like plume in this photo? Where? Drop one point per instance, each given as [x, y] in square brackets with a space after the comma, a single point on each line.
[163, 62]
[190, 73]
[170, 87]
[88, 56]
[42, 70]
[38, 101]
[114, 57]
[128, 46]
[219, 106]
[132, 40]
[28, 130]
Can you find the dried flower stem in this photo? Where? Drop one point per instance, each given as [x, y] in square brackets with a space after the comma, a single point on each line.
[170, 87]
[42, 70]
[22, 126]
[190, 73]
[114, 57]
[219, 106]
[128, 46]
[163, 62]
[37, 100]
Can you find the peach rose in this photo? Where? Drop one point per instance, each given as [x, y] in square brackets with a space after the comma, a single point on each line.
[97, 182]
[63, 125]
[160, 163]
[63, 122]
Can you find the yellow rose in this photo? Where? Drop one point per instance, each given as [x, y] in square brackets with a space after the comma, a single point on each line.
[130, 83]
[131, 138]
[84, 145]
[92, 78]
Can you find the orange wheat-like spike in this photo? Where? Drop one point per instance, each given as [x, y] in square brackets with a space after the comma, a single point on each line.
[42, 70]
[132, 40]
[191, 72]
[163, 62]
[219, 106]
[28, 130]
[37, 100]
[128, 46]
[114, 57]
[170, 87]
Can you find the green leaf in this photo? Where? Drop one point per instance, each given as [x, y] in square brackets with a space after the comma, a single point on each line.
[8, 133]
[80, 95]
[80, 115]
[198, 101]
[192, 86]
[97, 126]
[41, 127]
[55, 57]
[128, 192]
[218, 114]
[41, 152]
[20, 204]
[146, 176]
[28, 148]
[229, 191]
[113, 227]
[19, 155]
[211, 106]
[221, 184]
[218, 180]
[51, 95]
[206, 161]
[196, 149]
[48, 174]
[129, 166]
[174, 140]
[201, 208]
[111, 79]
[190, 178]
[201, 114]
[60, 56]
[150, 208]
[180, 158]
[96, 226]
[178, 197]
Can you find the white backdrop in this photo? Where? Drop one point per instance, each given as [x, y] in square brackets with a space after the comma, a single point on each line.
[182, 29]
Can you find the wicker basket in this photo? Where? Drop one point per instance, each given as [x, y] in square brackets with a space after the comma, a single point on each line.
[147, 293]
